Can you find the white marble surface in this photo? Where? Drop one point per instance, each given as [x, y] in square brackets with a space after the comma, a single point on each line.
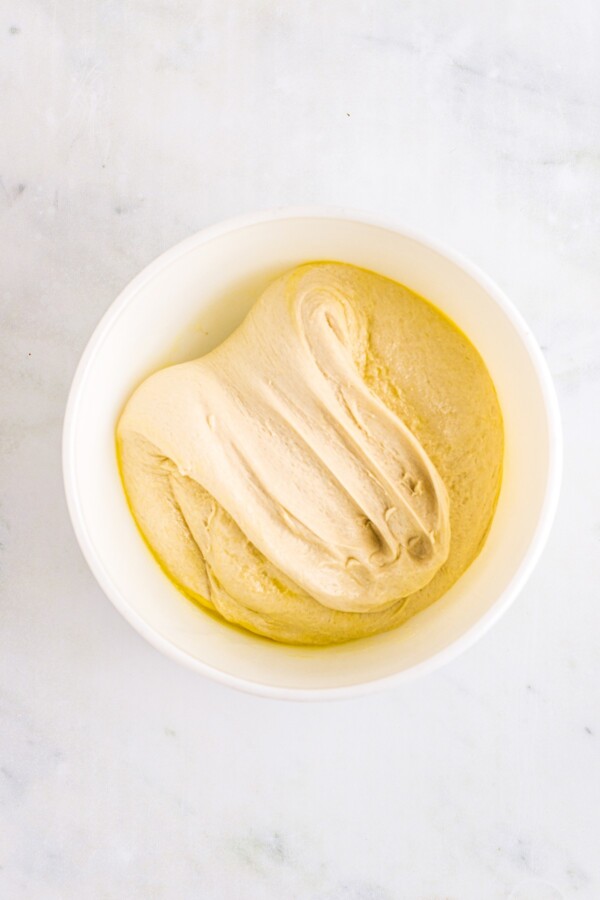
[129, 124]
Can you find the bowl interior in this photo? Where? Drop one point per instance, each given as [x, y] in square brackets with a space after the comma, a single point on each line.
[185, 304]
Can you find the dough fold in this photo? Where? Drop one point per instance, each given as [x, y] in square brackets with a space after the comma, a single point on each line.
[271, 478]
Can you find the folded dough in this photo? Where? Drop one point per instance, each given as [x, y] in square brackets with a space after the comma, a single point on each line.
[273, 478]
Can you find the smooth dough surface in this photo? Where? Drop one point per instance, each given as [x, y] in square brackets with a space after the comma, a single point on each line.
[329, 470]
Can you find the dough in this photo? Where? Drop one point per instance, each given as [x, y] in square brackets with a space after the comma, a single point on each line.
[327, 471]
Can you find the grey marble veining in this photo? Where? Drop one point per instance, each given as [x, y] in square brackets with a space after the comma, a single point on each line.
[128, 126]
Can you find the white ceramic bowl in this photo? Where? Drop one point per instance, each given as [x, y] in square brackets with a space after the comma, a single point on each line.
[184, 304]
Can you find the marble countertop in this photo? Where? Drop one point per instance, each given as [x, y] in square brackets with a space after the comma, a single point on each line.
[130, 124]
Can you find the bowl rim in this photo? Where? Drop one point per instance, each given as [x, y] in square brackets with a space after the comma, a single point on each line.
[537, 541]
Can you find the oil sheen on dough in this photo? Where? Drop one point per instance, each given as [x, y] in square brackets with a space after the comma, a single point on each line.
[327, 471]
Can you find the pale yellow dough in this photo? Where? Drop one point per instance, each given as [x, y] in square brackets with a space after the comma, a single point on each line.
[327, 472]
